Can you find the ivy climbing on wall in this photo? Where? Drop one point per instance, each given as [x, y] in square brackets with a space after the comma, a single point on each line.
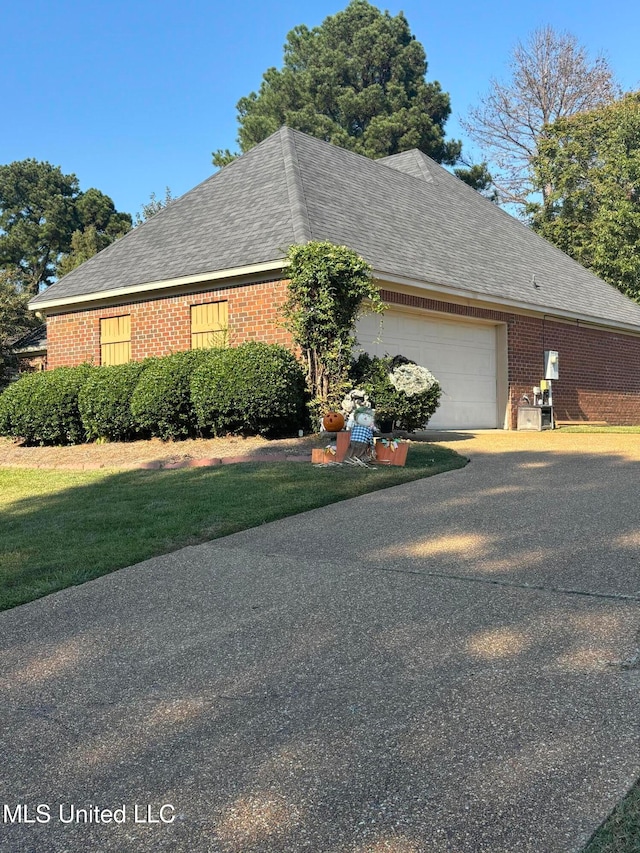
[330, 287]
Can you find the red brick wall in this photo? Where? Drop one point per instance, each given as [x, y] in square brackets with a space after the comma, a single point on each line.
[32, 363]
[161, 326]
[599, 370]
[446, 307]
[599, 374]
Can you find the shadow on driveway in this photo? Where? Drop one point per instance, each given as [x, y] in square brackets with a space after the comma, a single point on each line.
[429, 668]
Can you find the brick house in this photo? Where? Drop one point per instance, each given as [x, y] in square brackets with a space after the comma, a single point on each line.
[472, 293]
[31, 350]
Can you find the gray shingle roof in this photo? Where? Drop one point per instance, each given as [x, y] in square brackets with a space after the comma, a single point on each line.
[36, 339]
[404, 214]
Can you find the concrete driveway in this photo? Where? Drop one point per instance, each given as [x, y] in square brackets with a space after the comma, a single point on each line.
[434, 668]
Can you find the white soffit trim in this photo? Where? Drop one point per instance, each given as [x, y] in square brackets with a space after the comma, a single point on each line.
[497, 303]
[132, 290]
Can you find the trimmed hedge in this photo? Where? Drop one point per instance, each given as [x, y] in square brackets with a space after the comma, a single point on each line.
[256, 388]
[105, 401]
[161, 403]
[15, 405]
[42, 408]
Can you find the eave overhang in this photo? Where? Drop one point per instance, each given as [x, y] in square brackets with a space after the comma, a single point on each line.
[135, 291]
[238, 276]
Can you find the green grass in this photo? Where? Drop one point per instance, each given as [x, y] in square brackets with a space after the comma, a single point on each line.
[620, 833]
[61, 528]
[587, 428]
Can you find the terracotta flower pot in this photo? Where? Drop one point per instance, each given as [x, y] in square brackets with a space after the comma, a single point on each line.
[388, 454]
[322, 455]
[342, 444]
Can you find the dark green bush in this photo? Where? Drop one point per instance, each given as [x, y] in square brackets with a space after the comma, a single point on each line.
[105, 401]
[161, 403]
[406, 412]
[42, 408]
[15, 406]
[255, 388]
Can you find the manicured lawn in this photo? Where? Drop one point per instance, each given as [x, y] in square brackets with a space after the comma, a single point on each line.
[621, 832]
[596, 429]
[61, 528]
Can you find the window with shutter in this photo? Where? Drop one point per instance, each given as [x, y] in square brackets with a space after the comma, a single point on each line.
[209, 325]
[115, 340]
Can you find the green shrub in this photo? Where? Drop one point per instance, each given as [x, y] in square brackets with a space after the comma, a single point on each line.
[255, 388]
[161, 403]
[406, 411]
[105, 401]
[42, 408]
[15, 411]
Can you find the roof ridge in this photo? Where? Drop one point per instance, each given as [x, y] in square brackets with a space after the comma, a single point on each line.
[295, 188]
[418, 157]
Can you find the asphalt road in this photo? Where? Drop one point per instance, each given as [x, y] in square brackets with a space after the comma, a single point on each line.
[434, 668]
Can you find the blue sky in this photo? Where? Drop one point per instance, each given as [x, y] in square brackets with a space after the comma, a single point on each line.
[134, 96]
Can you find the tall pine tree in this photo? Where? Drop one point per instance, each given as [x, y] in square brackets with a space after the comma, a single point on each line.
[357, 81]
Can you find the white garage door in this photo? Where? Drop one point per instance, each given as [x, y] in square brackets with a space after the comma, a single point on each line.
[462, 356]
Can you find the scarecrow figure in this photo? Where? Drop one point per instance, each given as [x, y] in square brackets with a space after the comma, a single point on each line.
[361, 443]
[355, 399]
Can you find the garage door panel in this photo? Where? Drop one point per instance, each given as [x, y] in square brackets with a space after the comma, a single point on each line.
[461, 355]
[465, 416]
[465, 362]
[466, 388]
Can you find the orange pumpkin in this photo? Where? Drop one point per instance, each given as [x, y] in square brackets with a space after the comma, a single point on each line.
[333, 422]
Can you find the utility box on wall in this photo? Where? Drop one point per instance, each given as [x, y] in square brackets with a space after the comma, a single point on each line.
[551, 365]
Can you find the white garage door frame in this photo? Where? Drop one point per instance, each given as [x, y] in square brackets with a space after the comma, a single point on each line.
[467, 355]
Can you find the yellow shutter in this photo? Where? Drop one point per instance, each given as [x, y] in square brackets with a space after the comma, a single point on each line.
[209, 325]
[115, 340]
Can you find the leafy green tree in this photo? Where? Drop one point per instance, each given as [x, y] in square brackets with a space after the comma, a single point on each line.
[328, 286]
[222, 157]
[15, 320]
[84, 245]
[155, 204]
[592, 163]
[37, 218]
[99, 225]
[97, 210]
[40, 211]
[357, 81]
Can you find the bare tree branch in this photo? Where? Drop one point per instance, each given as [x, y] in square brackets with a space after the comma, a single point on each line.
[551, 77]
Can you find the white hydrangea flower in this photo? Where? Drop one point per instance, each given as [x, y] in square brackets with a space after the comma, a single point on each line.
[412, 379]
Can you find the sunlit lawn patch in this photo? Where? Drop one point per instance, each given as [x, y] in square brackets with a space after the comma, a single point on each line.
[60, 528]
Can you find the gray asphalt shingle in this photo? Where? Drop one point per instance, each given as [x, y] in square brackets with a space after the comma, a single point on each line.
[404, 214]
[33, 340]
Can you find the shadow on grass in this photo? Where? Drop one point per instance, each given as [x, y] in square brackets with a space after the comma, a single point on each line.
[407, 679]
[63, 528]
